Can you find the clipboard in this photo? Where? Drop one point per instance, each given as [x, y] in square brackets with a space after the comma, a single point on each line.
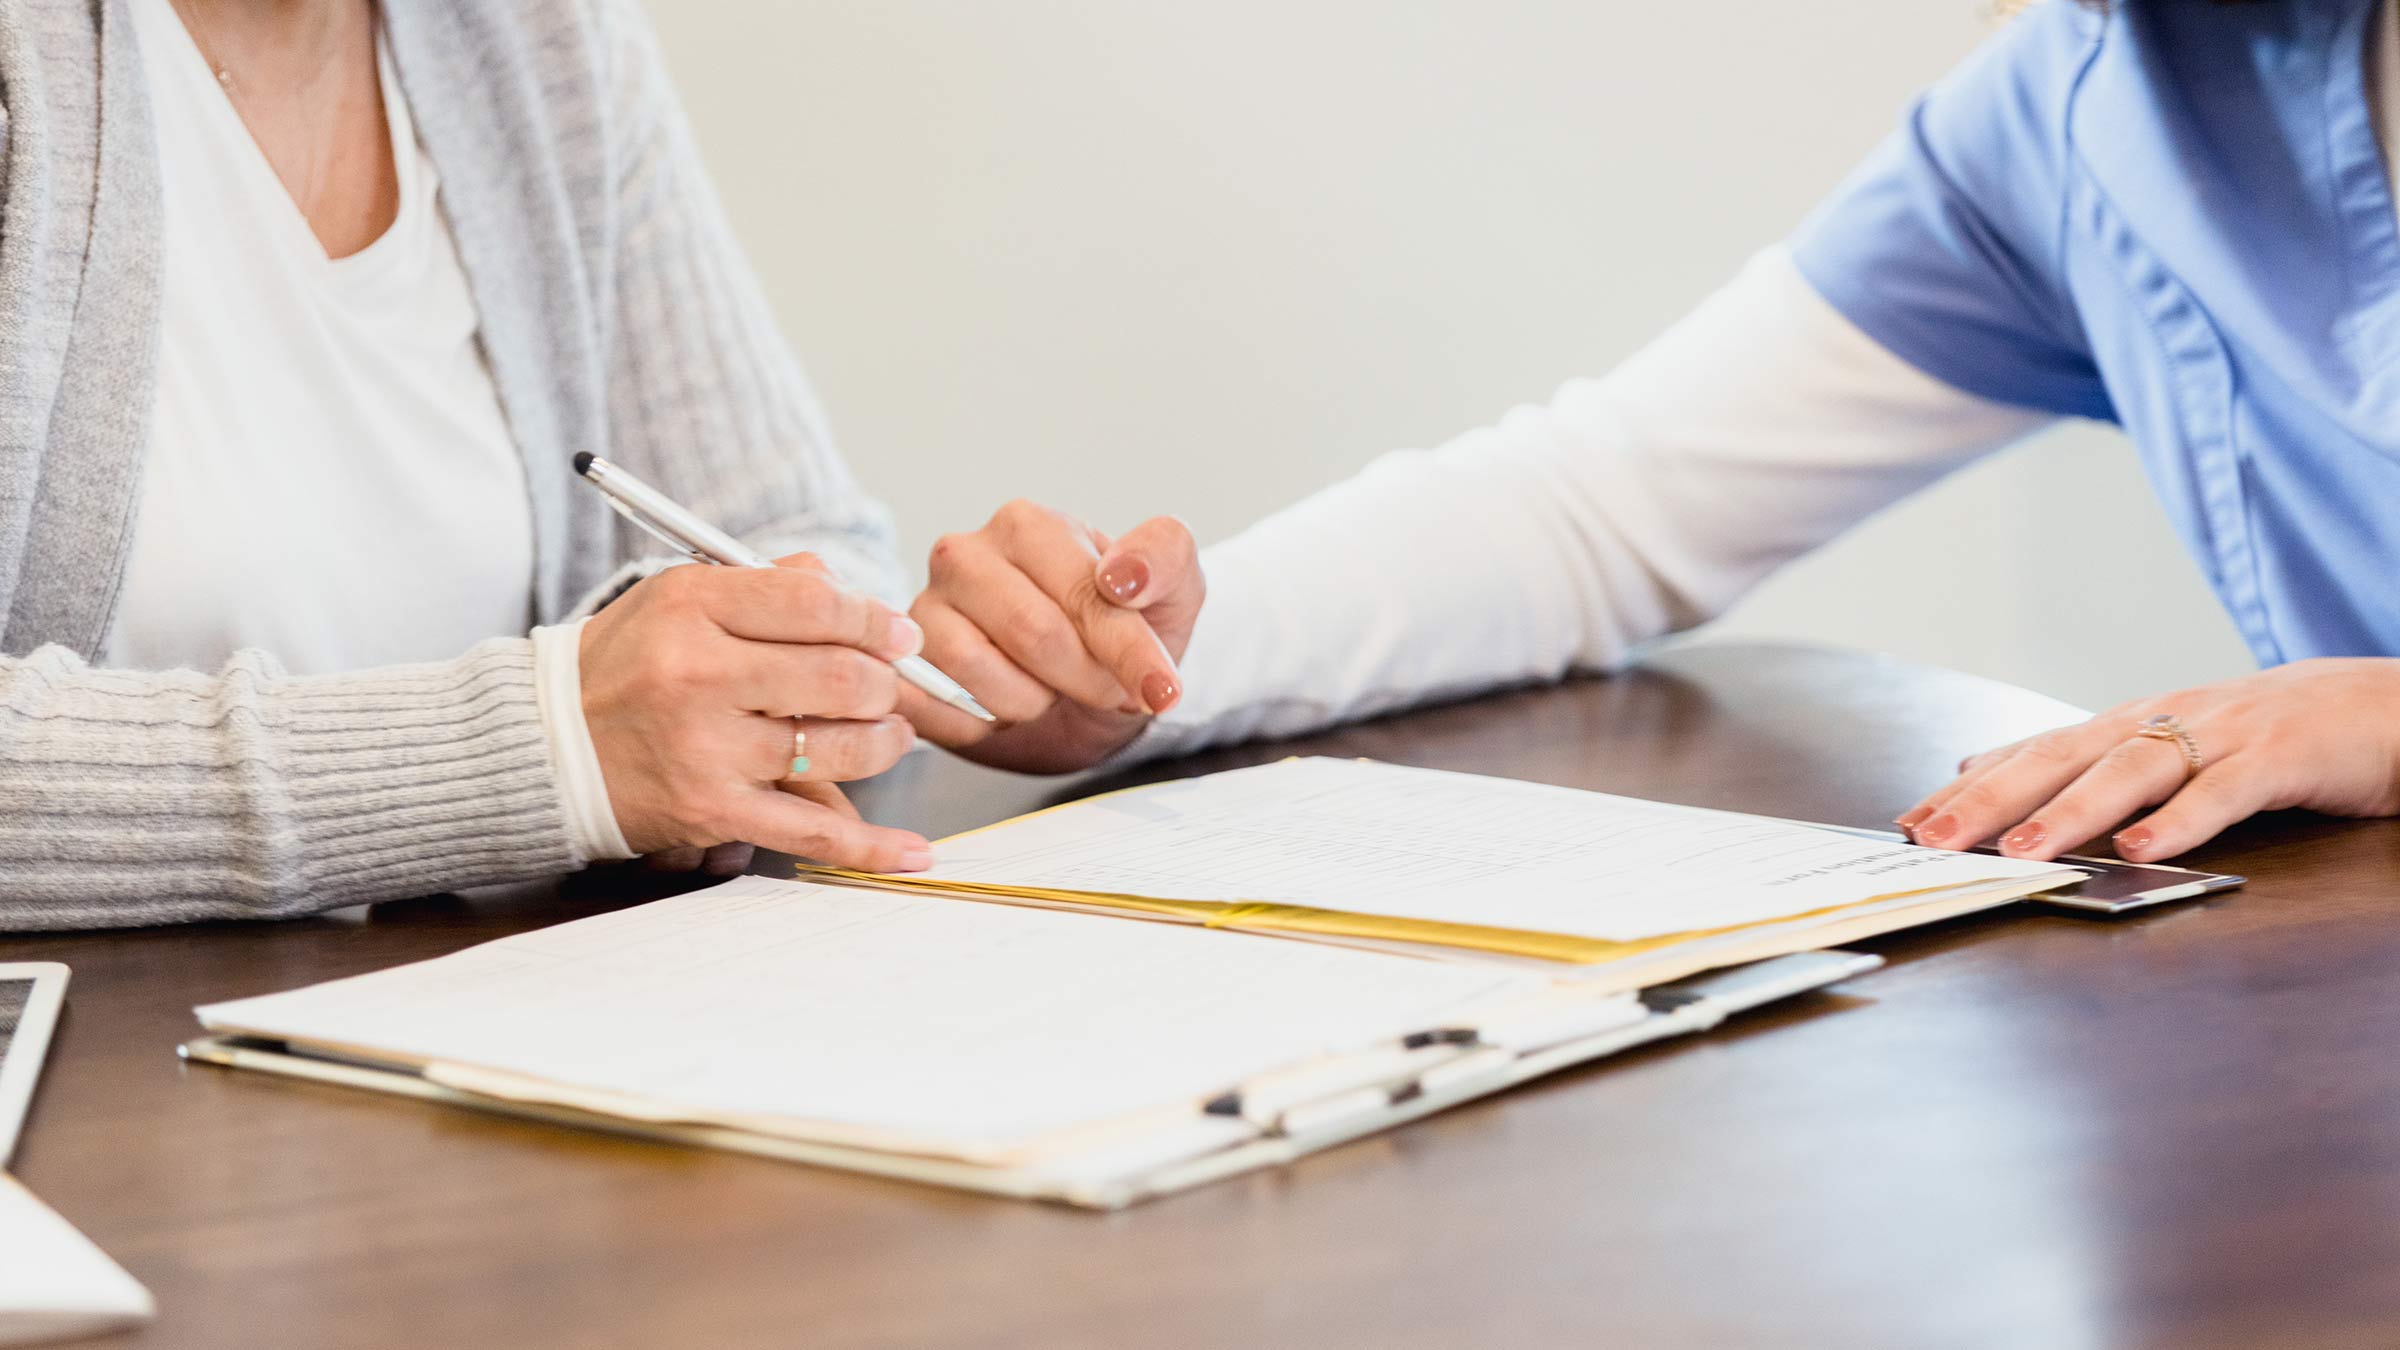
[1226, 1137]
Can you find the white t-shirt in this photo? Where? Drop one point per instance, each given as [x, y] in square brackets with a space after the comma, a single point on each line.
[329, 477]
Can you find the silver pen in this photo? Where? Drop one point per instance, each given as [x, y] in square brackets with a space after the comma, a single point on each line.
[677, 528]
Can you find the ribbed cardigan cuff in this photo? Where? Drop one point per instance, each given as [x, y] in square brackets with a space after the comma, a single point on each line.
[417, 779]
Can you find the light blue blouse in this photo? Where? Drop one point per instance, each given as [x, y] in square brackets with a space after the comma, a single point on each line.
[2177, 218]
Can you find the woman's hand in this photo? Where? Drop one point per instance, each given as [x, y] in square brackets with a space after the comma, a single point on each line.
[694, 684]
[2322, 734]
[1068, 636]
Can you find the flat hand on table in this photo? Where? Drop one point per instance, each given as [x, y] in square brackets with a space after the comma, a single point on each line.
[2322, 734]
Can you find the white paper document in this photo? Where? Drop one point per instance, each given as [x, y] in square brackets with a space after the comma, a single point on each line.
[54, 1284]
[900, 1021]
[1385, 839]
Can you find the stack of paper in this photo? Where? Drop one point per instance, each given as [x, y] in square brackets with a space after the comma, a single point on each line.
[1135, 1017]
[1632, 892]
[986, 1033]
[993, 1047]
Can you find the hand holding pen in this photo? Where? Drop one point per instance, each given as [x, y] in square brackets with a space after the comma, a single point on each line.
[726, 702]
[676, 527]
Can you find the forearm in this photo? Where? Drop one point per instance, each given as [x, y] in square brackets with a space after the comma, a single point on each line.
[1429, 575]
[1565, 535]
[140, 798]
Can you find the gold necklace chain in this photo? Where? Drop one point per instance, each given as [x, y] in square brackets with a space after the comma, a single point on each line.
[304, 194]
[193, 26]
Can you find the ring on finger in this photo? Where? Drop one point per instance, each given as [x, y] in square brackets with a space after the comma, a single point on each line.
[2169, 727]
[800, 763]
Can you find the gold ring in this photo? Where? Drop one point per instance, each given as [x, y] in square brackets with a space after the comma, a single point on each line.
[2169, 727]
[799, 753]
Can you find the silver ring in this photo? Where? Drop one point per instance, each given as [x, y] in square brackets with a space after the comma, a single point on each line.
[2169, 727]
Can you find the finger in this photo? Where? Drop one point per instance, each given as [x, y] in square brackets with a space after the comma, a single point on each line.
[1155, 568]
[674, 859]
[2229, 790]
[1986, 758]
[1128, 646]
[1031, 626]
[823, 794]
[840, 752]
[794, 605]
[1121, 639]
[727, 860]
[2135, 773]
[960, 647]
[1911, 821]
[790, 824]
[1985, 801]
[781, 680]
[1969, 769]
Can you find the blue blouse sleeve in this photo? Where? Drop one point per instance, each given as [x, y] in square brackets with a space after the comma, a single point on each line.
[1944, 245]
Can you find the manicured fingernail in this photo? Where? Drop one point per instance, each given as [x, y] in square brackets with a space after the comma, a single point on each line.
[916, 859]
[1157, 691]
[903, 636]
[2025, 837]
[1908, 819]
[1937, 829]
[1124, 578]
[2136, 840]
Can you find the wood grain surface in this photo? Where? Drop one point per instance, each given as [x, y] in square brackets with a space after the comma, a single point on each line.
[2180, 1128]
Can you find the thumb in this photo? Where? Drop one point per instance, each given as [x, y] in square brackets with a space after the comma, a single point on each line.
[1155, 568]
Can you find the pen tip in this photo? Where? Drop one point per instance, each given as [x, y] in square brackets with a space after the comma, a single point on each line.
[583, 461]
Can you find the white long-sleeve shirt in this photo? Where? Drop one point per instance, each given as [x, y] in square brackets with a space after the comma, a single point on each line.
[1629, 506]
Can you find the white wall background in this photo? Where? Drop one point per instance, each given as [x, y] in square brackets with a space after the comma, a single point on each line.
[1127, 256]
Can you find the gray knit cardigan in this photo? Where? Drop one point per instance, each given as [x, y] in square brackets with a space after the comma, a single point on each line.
[618, 316]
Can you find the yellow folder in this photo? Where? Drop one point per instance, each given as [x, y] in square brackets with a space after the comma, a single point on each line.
[1863, 911]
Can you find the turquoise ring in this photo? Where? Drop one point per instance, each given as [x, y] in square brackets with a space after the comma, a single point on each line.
[799, 753]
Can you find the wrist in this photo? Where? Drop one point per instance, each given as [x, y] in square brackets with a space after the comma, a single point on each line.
[582, 789]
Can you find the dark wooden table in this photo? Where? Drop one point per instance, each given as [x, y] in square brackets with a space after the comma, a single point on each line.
[2032, 1129]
